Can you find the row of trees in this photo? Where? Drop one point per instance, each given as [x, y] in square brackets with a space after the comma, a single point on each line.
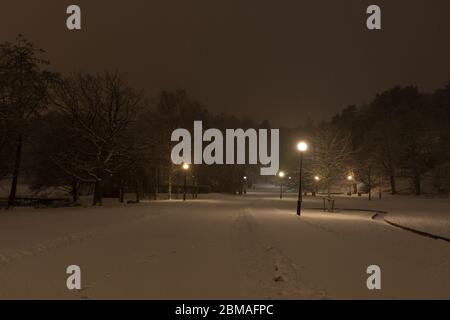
[24, 88]
[95, 131]
[403, 134]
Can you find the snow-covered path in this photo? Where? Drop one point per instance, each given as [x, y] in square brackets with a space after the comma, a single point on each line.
[218, 246]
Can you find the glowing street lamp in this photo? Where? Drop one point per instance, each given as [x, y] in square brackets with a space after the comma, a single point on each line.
[316, 179]
[350, 181]
[244, 184]
[302, 147]
[185, 168]
[281, 176]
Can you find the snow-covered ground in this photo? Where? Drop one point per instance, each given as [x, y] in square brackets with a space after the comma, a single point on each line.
[220, 246]
[431, 215]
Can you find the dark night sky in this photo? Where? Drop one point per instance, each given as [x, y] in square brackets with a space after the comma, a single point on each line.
[284, 60]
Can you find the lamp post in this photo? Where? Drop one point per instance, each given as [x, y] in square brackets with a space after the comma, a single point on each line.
[281, 176]
[316, 179]
[244, 182]
[302, 147]
[350, 181]
[185, 168]
[196, 186]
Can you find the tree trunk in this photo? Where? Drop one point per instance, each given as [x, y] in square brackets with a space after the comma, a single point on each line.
[121, 195]
[142, 187]
[156, 183]
[75, 192]
[98, 193]
[16, 171]
[121, 192]
[329, 197]
[169, 187]
[380, 188]
[417, 183]
[177, 187]
[138, 196]
[196, 187]
[369, 178]
[393, 184]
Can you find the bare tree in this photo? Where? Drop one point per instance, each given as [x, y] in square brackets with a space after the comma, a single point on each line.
[331, 153]
[100, 111]
[368, 172]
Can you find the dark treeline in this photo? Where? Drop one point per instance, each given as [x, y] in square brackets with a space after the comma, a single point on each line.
[94, 133]
[402, 135]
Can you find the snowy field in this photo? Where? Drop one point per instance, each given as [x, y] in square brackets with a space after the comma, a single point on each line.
[229, 247]
[431, 215]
